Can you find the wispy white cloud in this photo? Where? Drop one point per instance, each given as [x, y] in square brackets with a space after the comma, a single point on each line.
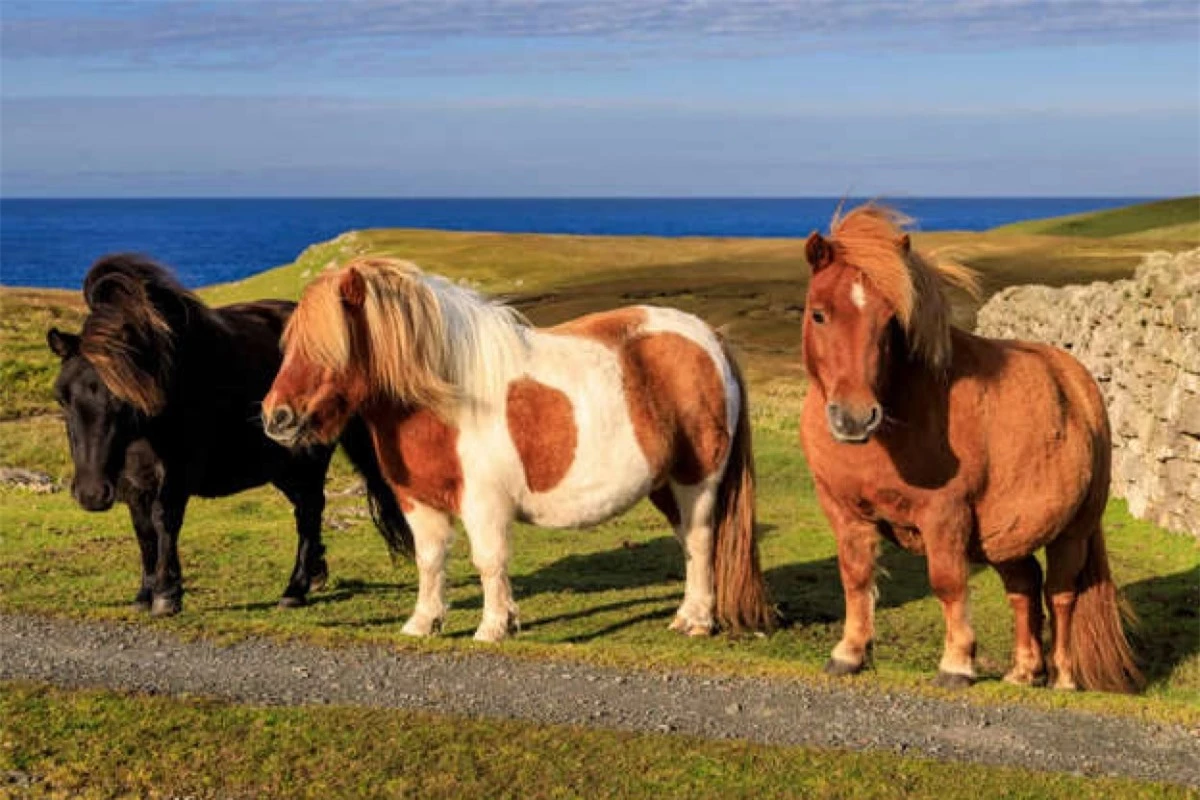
[411, 36]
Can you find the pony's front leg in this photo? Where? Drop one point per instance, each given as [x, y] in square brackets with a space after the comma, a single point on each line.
[140, 512]
[488, 530]
[167, 517]
[949, 569]
[432, 534]
[858, 546]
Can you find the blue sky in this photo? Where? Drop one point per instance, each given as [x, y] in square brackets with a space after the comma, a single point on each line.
[603, 98]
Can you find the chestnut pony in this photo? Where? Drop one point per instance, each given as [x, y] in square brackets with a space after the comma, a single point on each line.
[478, 415]
[958, 448]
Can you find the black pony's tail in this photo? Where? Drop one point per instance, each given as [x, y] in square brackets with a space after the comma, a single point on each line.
[385, 510]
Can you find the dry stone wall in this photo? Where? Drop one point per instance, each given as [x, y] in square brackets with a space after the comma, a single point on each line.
[1141, 340]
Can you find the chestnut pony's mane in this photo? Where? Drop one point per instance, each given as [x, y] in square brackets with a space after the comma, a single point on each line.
[137, 311]
[872, 238]
[424, 341]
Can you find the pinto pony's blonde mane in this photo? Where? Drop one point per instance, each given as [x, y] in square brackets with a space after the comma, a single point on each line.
[423, 340]
[873, 239]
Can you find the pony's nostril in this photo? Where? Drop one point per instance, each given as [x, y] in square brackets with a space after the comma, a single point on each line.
[875, 417]
[106, 493]
[282, 417]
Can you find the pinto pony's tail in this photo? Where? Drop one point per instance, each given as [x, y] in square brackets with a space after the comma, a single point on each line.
[385, 510]
[1101, 654]
[742, 599]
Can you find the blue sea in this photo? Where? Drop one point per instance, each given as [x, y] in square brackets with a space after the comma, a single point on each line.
[51, 243]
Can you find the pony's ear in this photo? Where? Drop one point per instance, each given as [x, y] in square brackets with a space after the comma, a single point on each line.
[352, 288]
[818, 251]
[64, 345]
[904, 244]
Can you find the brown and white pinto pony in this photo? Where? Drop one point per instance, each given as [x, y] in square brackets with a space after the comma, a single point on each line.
[958, 448]
[476, 414]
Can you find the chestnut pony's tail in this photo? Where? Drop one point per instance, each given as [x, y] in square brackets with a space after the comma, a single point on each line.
[1100, 652]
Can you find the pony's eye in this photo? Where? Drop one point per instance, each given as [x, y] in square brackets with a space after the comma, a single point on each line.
[818, 317]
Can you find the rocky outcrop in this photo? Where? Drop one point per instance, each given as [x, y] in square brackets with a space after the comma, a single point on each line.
[28, 479]
[1141, 339]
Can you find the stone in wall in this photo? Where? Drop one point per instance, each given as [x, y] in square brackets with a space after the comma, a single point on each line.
[1141, 340]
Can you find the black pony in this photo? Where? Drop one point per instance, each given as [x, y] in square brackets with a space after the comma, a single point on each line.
[161, 397]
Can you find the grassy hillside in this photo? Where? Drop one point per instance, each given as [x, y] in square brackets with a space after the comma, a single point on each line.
[1170, 218]
[752, 287]
[606, 594]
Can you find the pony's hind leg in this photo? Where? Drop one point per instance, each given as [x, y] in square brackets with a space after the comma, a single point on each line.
[1065, 557]
[694, 530]
[432, 534]
[1023, 584]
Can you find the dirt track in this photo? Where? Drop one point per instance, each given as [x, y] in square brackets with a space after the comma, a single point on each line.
[128, 657]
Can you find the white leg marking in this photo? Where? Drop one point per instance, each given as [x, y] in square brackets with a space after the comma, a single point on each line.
[488, 532]
[695, 534]
[432, 534]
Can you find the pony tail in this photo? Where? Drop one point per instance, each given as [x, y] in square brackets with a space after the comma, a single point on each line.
[742, 599]
[1100, 652]
[381, 500]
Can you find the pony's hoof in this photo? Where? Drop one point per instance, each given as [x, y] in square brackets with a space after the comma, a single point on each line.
[319, 578]
[165, 606]
[292, 601]
[838, 668]
[691, 627]
[1065, 685]
[422, 626]
[497, 630]
[491, 633]
[1023, 677]
[141, 603]
[953, 680]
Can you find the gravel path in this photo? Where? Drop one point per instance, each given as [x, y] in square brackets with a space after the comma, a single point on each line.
[82, 654]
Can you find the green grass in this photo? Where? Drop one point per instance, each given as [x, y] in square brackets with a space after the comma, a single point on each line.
[604, 595]
[27, 367]
[1136, 219]
[91, 744]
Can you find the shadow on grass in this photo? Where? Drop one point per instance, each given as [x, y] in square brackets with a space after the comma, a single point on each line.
[806, 592]
[342, 589]
[1168, 629]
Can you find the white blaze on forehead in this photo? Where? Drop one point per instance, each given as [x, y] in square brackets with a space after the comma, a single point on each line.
[857, 295]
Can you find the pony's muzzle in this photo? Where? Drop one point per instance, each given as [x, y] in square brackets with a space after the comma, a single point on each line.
[851, 425]
[282, 424]
[94, 495]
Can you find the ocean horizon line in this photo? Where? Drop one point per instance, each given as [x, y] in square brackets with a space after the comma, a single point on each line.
[621, 198]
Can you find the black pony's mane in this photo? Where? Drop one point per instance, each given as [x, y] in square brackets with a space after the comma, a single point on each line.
[138, 312]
